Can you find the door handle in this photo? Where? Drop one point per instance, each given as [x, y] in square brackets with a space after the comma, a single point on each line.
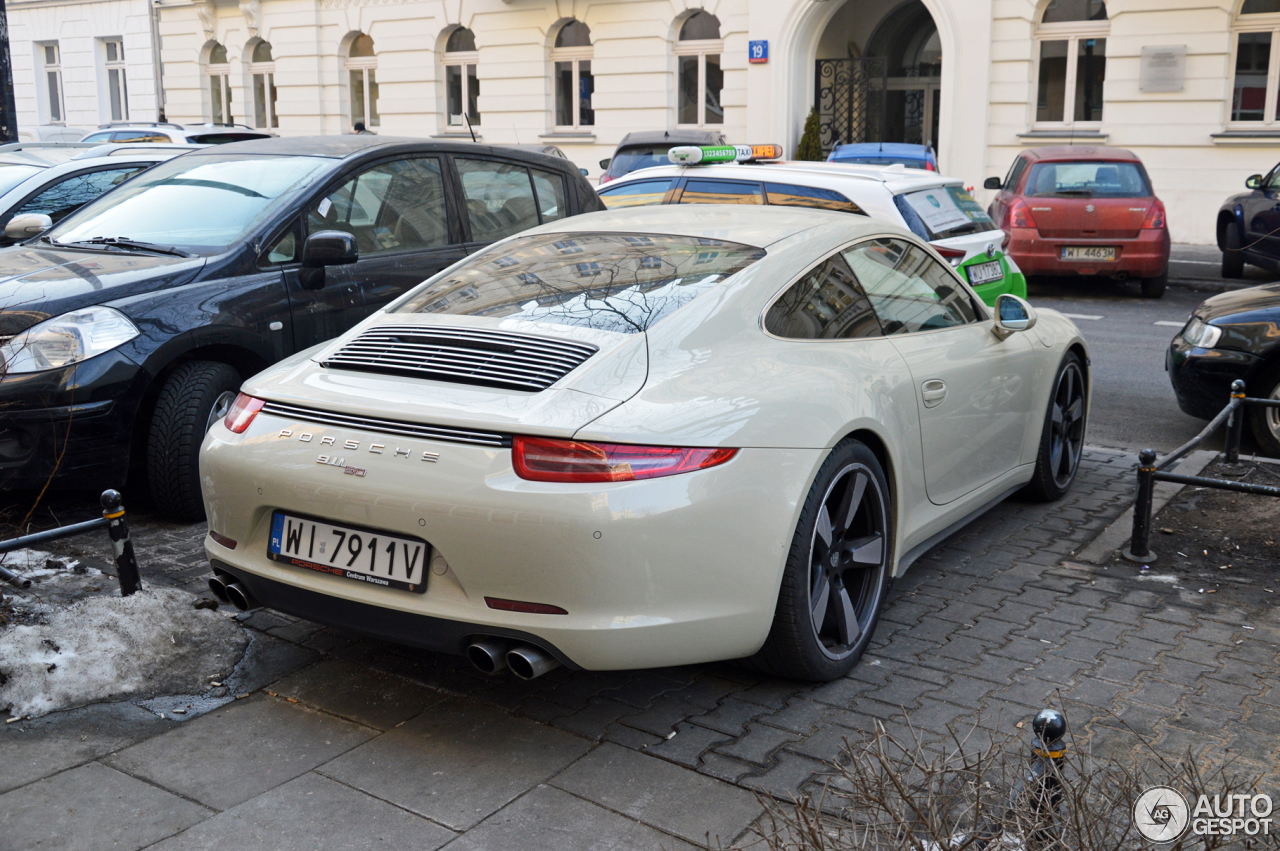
[933, 392]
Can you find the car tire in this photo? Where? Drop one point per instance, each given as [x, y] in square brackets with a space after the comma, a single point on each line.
[1232, 252]
[847, 515]
[1062, 437]
[194, 396]
[1155, 287]
[1265, 422]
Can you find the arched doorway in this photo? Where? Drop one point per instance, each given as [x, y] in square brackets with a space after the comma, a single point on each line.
[907, 40]
[879, 74]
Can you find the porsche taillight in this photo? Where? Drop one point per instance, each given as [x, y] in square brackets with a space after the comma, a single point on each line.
[543, 459]
[242, 412]
[1020, 215]
[1155, 216]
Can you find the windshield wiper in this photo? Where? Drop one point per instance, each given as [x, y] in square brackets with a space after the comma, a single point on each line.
[129, 244]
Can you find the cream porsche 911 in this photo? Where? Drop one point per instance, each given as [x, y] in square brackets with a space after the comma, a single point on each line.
[646, 437]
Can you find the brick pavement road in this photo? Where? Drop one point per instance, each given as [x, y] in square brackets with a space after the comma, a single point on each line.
[344, 742]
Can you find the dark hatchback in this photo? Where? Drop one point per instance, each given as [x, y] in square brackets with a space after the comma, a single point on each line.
[1248, 227]
[127, 329]
[1232, 335]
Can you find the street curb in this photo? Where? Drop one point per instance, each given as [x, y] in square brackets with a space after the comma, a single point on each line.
[1117, 535]
[1214, 285]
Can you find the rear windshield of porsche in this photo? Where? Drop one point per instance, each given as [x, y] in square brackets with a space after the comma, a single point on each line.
[606, 281]
[1100, 179]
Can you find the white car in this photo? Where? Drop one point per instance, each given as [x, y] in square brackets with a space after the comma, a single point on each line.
[935, 208]
[161, 132]
[641, 438]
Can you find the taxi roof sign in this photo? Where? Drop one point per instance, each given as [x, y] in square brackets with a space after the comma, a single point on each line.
[708, 154]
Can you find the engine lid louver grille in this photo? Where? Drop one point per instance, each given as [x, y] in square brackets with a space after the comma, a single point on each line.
[462, 355]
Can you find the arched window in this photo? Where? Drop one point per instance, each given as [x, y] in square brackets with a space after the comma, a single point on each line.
[262, 67]
[574, 84]
[699, 79]
[362, 65]
[1254, 92]
[219, 71]
[1071, 41]
[461, 85]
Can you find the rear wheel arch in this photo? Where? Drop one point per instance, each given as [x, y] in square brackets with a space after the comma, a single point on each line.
[880, 449]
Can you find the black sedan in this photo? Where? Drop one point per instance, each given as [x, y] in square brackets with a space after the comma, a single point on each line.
[127, 328]
[1232, 335]
[1249, 224]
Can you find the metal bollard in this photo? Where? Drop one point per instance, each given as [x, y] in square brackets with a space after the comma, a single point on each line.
[118, 529]
[1235, 424]
[1043, 776]
[1140, 543]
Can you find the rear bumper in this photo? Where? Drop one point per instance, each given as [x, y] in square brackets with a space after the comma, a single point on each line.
[668, 571]
[1145, 256]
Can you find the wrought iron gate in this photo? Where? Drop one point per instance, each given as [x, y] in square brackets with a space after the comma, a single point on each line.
[850, 98]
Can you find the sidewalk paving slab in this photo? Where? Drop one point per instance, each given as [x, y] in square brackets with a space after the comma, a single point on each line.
[311, 813]
[242, 750]
[89, 808]
[658, 793]
[366, 697]
[548, 819]
[63, 740]
[458, 762]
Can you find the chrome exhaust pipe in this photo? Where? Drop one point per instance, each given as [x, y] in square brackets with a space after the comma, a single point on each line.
[240, 597]
[489, 655]
[218, 585]
[528, 662]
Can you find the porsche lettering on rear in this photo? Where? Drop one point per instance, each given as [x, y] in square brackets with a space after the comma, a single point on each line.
[354, 445]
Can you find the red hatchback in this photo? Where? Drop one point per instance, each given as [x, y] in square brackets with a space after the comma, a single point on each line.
[1073, 210]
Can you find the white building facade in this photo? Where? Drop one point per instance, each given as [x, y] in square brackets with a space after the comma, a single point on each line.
[1191, 87]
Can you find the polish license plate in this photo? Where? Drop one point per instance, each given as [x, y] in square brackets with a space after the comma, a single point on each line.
[984, 273]
[363, 555]
[1088, 252]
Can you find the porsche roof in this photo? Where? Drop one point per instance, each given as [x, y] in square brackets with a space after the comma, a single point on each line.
[750, 225]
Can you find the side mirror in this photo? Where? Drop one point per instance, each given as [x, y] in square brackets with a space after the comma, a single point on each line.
[1012, 315]
[604, 163]
[992, 183]
[584, 171]
[329, 248]
[1253, 181]
[25, 227]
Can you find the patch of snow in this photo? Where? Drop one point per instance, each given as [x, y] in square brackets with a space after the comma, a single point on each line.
[36, 564]
[110, 647]
[1158, 577]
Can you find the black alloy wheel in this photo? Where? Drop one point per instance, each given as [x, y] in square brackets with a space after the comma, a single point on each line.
[847, 561]
[837, 572]
[1062, 439]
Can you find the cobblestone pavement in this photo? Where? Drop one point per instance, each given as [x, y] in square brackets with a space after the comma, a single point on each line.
[344, 742]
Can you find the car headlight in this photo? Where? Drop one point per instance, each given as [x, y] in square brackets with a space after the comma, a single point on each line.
[65, 340]
[1201, 334]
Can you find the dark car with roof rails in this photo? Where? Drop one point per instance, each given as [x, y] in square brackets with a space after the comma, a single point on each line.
[647, 148]
[128, 327]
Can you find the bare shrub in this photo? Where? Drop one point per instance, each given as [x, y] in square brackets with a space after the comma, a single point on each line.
[907, 792]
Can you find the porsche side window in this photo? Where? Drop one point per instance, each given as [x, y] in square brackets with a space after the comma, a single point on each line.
[909, 290]
[825, 304]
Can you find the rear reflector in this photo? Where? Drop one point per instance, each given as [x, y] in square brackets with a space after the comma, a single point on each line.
[542, 459]
[222, 539]
[518, 606]
[242, 412]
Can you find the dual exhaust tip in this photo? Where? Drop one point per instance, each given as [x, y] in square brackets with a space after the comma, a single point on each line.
[225, 587]
[491, 655]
